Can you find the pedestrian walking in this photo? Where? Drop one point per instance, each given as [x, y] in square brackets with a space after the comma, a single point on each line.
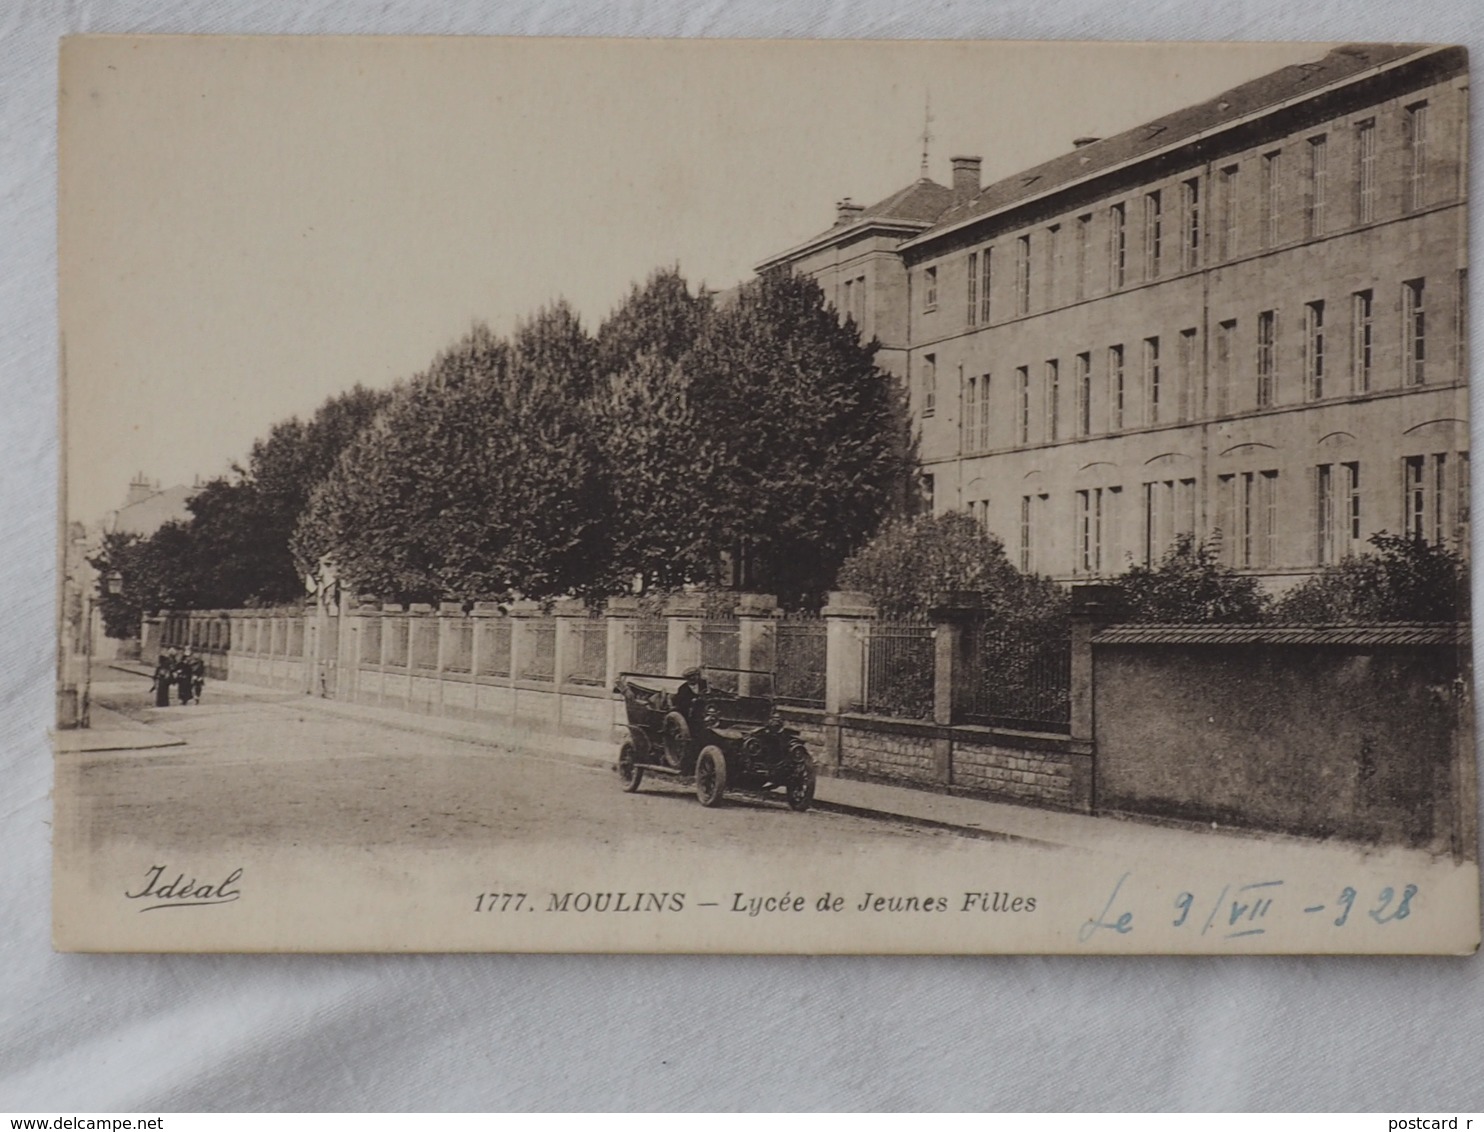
[190, 676]
[164, 677]
[198, 677]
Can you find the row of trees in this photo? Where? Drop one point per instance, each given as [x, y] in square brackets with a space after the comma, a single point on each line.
[682, 436]
[683, 440]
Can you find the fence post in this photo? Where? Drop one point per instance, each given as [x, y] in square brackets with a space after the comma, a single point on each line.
[622, 648]
[450, 617]
[621, 612]
[846, 618]
[567, 613]
[1092, 604]
[522, 645]
[684, 615]
[521, 613]
[150, 631]
[483, 614]
[952, 642]
[565, 648]
[756, 634]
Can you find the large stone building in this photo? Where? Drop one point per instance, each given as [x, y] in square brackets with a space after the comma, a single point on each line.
[1245, 320]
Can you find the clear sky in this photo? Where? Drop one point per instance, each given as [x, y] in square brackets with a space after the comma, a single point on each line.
[251, 225]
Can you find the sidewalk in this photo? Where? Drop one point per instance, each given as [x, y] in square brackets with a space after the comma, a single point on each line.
[966, 816]
[111, 732]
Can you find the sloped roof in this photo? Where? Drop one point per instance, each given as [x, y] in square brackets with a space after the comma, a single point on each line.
[1182, 125]
[923, 200]
[149, 515]
[915, 206]
[1409, 633]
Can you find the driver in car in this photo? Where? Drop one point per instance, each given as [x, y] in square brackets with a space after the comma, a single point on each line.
[690, 699]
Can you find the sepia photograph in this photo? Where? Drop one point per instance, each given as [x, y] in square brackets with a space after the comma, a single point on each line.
[727, 496]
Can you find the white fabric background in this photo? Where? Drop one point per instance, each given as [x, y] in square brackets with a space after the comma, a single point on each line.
[87, 1033]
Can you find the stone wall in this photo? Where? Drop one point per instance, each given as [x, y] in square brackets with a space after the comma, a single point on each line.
[892, 753]
[1049, 777]
[476, 662]
[1363, 733]
[1360, 733]
[1028, 768]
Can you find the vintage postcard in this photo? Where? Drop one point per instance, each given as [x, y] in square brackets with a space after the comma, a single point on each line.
[726, 496]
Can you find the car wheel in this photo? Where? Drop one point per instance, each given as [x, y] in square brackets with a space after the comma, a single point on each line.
[630, 773]
[675, 736]
[711, 776]
[801, 789]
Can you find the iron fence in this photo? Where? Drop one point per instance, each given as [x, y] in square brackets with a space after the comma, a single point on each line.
[800, 661]
[460, 646]
[494, 647]
[721, 642]
[539, 661]
[652, 646]
[589, 661]
[897, 664]
[425, 644]
[395, 631]
[370, 640]
[1018, 679]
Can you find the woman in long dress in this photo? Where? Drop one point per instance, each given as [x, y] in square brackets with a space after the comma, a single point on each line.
[164, 677]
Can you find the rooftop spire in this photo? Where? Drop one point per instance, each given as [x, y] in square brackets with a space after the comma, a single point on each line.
[927, 132]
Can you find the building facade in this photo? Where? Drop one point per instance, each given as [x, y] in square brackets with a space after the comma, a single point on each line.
[1246, 321]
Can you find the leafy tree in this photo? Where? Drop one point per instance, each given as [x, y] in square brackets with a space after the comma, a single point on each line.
[234, 554]
[122, 553]
[652, 456]
[760, 432]
[645, 413]
[479, 479]
[660, 319]
[802, 442]
[155, 573]
[285, 467]
[1188, 586]
[234, 550]
[1404, 579]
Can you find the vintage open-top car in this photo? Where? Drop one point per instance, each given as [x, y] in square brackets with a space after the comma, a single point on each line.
[722, 732]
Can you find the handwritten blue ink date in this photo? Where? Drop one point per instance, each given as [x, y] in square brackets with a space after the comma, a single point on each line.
[1246, 910]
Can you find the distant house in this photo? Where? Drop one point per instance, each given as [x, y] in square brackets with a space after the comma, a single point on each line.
[147, 508]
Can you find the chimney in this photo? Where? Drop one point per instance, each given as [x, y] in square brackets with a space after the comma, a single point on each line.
[966, 177]
[1087, 139]
[140, 489]
[847, 211]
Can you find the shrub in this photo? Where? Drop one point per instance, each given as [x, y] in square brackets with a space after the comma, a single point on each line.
[1404, 579]
[912, 561]
[1189, 586]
